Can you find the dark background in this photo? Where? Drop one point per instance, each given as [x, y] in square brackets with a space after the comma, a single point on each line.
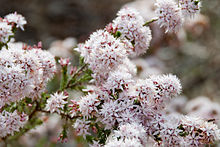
[49, 20]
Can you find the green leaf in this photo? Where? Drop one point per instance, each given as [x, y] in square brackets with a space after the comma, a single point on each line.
[117, 34]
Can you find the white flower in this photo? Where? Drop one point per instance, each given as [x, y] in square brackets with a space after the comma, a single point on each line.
[118, 80]
[144, 91]
[170, 132]
[27, 60]
[48, 66]
[14, 85]
[56, 103]
[100, 91]
[82, 127]
[5, 32]
[117, 112]
[128, 66]
[169, 15]
[18, 19]
[74, 108]
[11, 122]
[102, 52]
[200, 132]
[130, 24]
[88, 104]
[153, 122]
[110, 113]
[115, 143]
[190, 7]
[168, 86]
[203, 107]
[15, 77]
[131, 131]
[48, 62]
[64, 62]
[35, 67]
[63, 48]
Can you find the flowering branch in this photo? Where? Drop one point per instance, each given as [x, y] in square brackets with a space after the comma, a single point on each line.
[118, 109]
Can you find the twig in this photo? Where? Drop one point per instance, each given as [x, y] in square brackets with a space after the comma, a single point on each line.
[78, 72]
[151, 21]
[34, 111]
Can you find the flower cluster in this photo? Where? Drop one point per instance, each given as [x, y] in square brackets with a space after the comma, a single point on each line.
[130, 132]
[56, 103]
[190, 7]
[5, 31]
[118, 109]
[103, 53]
[128, 26]
[7, 24]
[171, 15]
[128, 111]
[16, 19]
[11, 122]
[24, 72]
[198, 131]
[203, 107]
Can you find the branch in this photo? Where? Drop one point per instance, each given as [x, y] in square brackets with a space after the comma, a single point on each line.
[151, 21]
[77, 73]
[32, 123]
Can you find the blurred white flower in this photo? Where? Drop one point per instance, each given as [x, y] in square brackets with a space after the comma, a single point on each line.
[204, 108]
[190, 7]
[63, 48]
[169, 15]
[82, 127]
[11, 122]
